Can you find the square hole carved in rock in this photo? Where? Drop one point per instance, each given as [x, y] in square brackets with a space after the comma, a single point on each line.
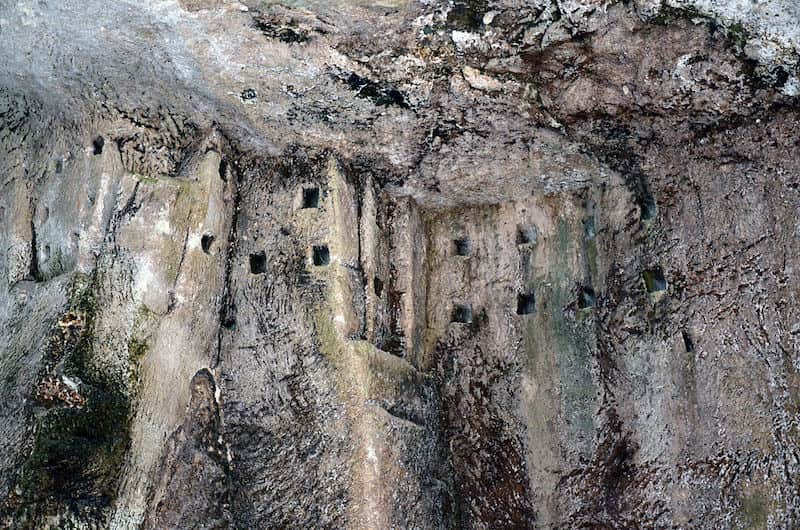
[310, 198]
[462, 314]
[377, 286]
[654, 280]
[526, 303]
[258, 263]
[527, 235]
[462, 247]
[321, 255]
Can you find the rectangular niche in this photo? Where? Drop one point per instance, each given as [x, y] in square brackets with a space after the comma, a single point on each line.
[526, 303]
[527, 235]
[310, 198]
[97, 146]
[462, 314]
[462, 247]
[258, 263]
[321, 255]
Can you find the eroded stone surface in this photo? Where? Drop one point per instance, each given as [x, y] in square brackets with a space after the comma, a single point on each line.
[274, 259]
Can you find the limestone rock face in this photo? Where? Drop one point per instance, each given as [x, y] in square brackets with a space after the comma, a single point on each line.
[399, 264]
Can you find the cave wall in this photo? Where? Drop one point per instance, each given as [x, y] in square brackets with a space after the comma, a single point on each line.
[398, 265]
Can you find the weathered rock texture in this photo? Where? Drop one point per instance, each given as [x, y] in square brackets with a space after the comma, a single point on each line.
[399, 264]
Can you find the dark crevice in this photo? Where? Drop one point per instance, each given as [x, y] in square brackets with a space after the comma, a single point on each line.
[227, 309]
[688, 343]
[399, 412]
[312, 194]
[130, 207]
[34, 272]
[223, 169]
[394, 340]
[183, 251]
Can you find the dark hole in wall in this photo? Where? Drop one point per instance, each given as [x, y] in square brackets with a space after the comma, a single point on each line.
[527, 235]
[654, 280]
[59, 166]
[377, 286]
[258, 263]
[321, 255]
[587, 298]
[648, 208]
[688, 343]
[463, 247]
[97, 145]
[206, 241]
[462, 314]
[526, 303]
[310, 197]
[380, 95]
[467, 14]
[223, 169]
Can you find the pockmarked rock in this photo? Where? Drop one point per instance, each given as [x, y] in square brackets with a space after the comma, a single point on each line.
[440, 264]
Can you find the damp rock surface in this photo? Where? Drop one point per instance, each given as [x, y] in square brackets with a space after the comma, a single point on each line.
[399, 264]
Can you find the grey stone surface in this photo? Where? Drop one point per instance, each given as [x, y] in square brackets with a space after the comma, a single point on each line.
[399, 264]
